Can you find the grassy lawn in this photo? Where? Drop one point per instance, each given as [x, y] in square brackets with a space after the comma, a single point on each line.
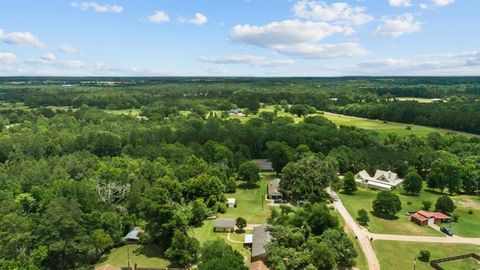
[399, 255]
[466, 264]
[143, 256]
[467, 226]
[205, 233]
[250, 201]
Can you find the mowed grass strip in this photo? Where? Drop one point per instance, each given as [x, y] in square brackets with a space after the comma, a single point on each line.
[143, 256]
[400, 255]
[465, 264]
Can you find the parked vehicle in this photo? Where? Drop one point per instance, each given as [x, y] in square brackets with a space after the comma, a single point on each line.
[278, 201]
[446, 231]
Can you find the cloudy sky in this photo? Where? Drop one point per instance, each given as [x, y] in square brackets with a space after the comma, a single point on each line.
[239, 37]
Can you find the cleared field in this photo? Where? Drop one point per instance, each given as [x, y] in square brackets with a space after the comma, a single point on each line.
[467, 225]
[400, 255]
[143, 256]
[387, 127]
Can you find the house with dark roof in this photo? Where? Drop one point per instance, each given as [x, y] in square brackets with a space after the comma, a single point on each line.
[265, 165]
[224, 225]
[261, 237]
[273, 190]
[132, 236]
[423, 218]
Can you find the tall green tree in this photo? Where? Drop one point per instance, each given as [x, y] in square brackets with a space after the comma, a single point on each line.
[413, 182]
[349, 184]
[280, 154]
[386, 203]
[184, 250]
[218, 255]
[249, 172]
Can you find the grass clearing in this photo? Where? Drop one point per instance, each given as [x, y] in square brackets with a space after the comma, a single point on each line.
[400, 255]
[143, 256]
[251, 203]
[467, 226]
[419, 100]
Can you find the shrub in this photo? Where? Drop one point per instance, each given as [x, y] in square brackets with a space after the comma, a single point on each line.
[363, 218]
[427, 205]
[455, 217]
[424, 255]
[408, 128]
[409, 203]
[470, 211]
[444, 204]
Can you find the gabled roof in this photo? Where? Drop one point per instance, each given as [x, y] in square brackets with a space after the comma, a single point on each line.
[261, 236]
[390, 176]
[436, 215]
[133, 234]
[419, 217]
[224, 223]
[264, 164]
[364, 175]
[258, 265]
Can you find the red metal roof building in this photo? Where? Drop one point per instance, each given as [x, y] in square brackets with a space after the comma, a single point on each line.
[423, 218]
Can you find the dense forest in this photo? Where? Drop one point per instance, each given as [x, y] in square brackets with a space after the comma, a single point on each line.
[168, 171]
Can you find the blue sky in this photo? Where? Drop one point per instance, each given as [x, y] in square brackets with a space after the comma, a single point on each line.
[239, 37]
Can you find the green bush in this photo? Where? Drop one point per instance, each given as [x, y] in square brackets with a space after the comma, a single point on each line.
[424, 255]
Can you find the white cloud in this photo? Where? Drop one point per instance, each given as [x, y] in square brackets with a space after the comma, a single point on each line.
[442, 3]
[253, 60]
[284, 32]
[159, 16]
[20, 38]
[464, 63]
[298, 38]
[336, 12]
[400, 3]
[398, 26]
[323, 50]
[49, 57]
[65, 48]
[423, 6]
[99, 8]
[199, 19]
[8, 58]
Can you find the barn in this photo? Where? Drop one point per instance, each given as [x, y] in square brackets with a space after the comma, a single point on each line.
[423, 218]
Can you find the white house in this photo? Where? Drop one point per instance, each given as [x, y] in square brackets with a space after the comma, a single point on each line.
[383, 180]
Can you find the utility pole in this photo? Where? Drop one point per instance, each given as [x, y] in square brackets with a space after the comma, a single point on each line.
[414, 263]
[128, 257]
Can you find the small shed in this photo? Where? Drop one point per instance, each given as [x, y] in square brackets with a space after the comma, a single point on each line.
[231, 202]
[224, 225]
[132, 236]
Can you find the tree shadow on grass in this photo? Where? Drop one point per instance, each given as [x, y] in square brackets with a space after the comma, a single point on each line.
[150, 251]
[382, 216]
[433, 191]
[248, 186]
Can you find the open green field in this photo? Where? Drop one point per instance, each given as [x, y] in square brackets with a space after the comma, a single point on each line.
[466, 264]
[467, 225]
[419, 100]
[400, 255]
[382, 127]
[251, 203]
[386, 127]
[143, 256]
